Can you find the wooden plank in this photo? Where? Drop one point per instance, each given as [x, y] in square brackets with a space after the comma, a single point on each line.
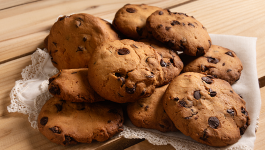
[146, 145]
[6, 4]
[20, 46]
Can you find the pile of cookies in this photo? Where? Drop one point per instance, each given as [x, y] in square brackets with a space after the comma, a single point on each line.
[160, 65]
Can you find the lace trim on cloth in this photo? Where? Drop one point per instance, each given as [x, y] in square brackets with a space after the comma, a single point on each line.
[37, 74]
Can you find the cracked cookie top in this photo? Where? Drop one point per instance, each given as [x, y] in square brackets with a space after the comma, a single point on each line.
[179, 31]
[131, 19]
[170, 61]
[72, 39]
[206, 109]
[149, 112]
[124, 71]
[219, 62]
[72, 85]
[65, 123]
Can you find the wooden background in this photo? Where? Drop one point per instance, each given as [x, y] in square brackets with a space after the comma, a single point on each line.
[25, 23]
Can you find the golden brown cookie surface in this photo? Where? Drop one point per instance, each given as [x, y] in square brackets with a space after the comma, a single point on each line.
[179, 31]
[72, 39]
[65, 123]
[208, 110]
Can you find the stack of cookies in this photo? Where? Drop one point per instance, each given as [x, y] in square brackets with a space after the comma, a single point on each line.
[161, 64]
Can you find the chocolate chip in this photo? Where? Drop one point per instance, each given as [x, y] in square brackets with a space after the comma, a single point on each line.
[150, 76]
[197, 94]
[162, 126]
[117, 74]
[109, 121]
[142, 93]
[161, 13]
[231, 112]
[176, 99]
[134, 46]
[205, 135]
[182, 103]
[207, 80]
[67, 140]
[84, 39]
[213, 122]
[229, 53]
[204, 28]
[190, 24]
[55, 129]
[170, 43]
[169, 12]
[162, 63]
[50, 80]
[210, 43]
[80, 48]
[44, 121]
[223, 64]
[62, 18]
[228, 70]
[139, 31]
[55, 90]
[200, 51]
[243, 129]
[130, 90]
[55, 44]
[146, 107]
[175, 22]
[123, 51]
[130, 10]
[172, 60]
[231, 91]
[183, 14]
[204, 68]
[243, 111]
[192, 17]
[59, 107]
[159, 26]
[183, 24]
[212, 93]
[167, 28]
[240, 95]
[212, 60]
[122, 81]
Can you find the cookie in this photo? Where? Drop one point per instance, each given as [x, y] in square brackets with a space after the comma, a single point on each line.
[149, 112]
[65, 123]
[72, 85]
[179, 31]
[219, 62]
[131, 18]
[124, 70]
[206, 109]
[170, 61]
[72, 39]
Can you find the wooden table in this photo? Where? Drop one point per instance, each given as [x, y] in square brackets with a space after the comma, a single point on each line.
[25, 23]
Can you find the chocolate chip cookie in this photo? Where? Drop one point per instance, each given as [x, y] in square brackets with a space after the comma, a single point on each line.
[131, 18]
[124, 71]
[65, 123]
[179, 31]
[170, 61]
[219, 62]
[149, 112]
[72, 39]
[72, 85]
[206, 109]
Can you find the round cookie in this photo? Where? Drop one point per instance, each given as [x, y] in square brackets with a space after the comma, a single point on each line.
[72, 39]
[131, 18]
[179, 31]
[72, 85]
[65, 123]
[149, 112]
[170, 62]
[206, 109]
[219, 62]
[124, 71]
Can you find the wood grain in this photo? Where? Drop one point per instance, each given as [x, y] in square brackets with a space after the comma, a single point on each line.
[25, 23]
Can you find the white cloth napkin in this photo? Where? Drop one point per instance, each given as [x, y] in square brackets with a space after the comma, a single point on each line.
[30, 93]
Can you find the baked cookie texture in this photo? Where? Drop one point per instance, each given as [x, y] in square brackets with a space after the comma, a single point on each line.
[72, 39]
[149, 112]
[65, 123]
[206, 109]
[179, 31]
[131, 19]
[170, 61]
[219, 62]
[72, 85]
[124, 71]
